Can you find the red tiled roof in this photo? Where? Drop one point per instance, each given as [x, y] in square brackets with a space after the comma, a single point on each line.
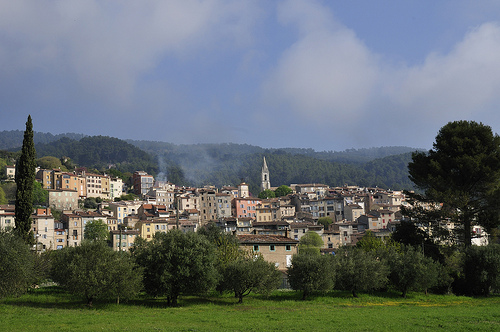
[264, 238]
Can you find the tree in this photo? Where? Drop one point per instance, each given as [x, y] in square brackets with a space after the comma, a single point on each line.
[16, 265]
[25, 178]
[249, 274]
[358, 270]
[410, 269]
[310, 273]
[176, 263]
[3, 199]
[40, 195]
[462, 172]
[325, 221]
[370, 242]
[267, 193]
[482, 269]
[49, 162]
[92, 270]
[282, 190]
[96, 230]
[310, 243]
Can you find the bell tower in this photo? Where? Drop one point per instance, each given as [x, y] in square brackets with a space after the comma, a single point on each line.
[265, 182]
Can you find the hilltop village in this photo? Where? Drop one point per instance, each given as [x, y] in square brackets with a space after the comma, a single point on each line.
[271, 226]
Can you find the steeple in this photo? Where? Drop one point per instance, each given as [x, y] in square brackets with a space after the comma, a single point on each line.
[266, 183]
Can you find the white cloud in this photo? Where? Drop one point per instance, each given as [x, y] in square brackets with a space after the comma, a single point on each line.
[457, 85]
[328, 74]
[103, 47]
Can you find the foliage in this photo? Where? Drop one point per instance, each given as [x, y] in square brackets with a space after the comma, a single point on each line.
[267, 193]
[96, 230]
[177, 263]
[249, 274]
[325, 221]
[50, 162]
[25, 178]
[310, 273]
[282, 190]
[370, 242]
[100, 152]
[358, 270]
[411, 270]
[91, 202]
[40, 195]
[92, 270]
[126, 197]
[310, 243]
[16, 265]
[462, 171]
[9, 189]
[3, 199]
[482, 269]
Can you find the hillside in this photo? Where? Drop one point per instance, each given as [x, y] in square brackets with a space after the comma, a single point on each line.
[228, 164]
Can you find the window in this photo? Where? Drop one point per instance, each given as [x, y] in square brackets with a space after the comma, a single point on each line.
[288, 247]
[295, 230]
[255, 248]
[272, 247]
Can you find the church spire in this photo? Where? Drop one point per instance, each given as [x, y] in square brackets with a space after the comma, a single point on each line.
[266, 183]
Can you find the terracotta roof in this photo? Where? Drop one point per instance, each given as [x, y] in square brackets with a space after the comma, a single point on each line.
[264, 238]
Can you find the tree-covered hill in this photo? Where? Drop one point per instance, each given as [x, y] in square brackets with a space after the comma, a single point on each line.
[13, 139]
[100, 152]
[228, 164]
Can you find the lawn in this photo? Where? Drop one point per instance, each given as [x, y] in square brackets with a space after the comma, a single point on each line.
[52, 309]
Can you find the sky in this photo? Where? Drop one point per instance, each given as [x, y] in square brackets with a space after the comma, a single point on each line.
[327, 75]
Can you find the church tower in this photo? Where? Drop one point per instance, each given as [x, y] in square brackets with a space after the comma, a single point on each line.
[266, 183]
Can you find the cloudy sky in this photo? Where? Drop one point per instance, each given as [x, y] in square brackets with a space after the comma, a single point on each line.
[327, 75]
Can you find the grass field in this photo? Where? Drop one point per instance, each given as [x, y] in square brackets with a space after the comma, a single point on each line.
[51, 309]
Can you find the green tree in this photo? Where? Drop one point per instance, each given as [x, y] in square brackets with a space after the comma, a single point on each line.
[325, 221]
[96, 230]
[410, 269]
[16, 265]
[25, 178]
[462, 172]
[282, 190]
[177, 263]
[482, 269]
[310, 243]
[310, 273]
[267, 193]
[92, 270]
[49, 162]
[358, 270]
[40, 195]
[3, 199]
[370, 242]
[249, 274]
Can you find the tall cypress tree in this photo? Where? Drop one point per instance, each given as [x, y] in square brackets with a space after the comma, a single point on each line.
[25, 177]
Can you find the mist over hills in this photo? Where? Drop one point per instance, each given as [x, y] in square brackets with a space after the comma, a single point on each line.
[227, 163]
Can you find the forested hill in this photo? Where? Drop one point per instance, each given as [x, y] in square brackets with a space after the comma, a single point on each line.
[100, 152]
[13, 139]
[229, 164]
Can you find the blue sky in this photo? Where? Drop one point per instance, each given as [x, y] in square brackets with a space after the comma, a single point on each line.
[327, 75]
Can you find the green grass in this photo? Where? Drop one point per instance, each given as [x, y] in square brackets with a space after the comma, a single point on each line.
[52, 309]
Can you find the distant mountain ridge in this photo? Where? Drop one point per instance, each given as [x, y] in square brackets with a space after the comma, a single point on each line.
[226, 163]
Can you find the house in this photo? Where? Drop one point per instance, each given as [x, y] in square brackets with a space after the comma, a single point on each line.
[331, 239]
[243, 207]
[123, 239]
[63, 199]
[299, 229]
[10, 172]
[74, 225]
[142, 182]
[277, 249]
[277, 227]
[43, 229]
[7, 217]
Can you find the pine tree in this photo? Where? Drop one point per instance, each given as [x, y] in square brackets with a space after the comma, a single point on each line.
[25, 177]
